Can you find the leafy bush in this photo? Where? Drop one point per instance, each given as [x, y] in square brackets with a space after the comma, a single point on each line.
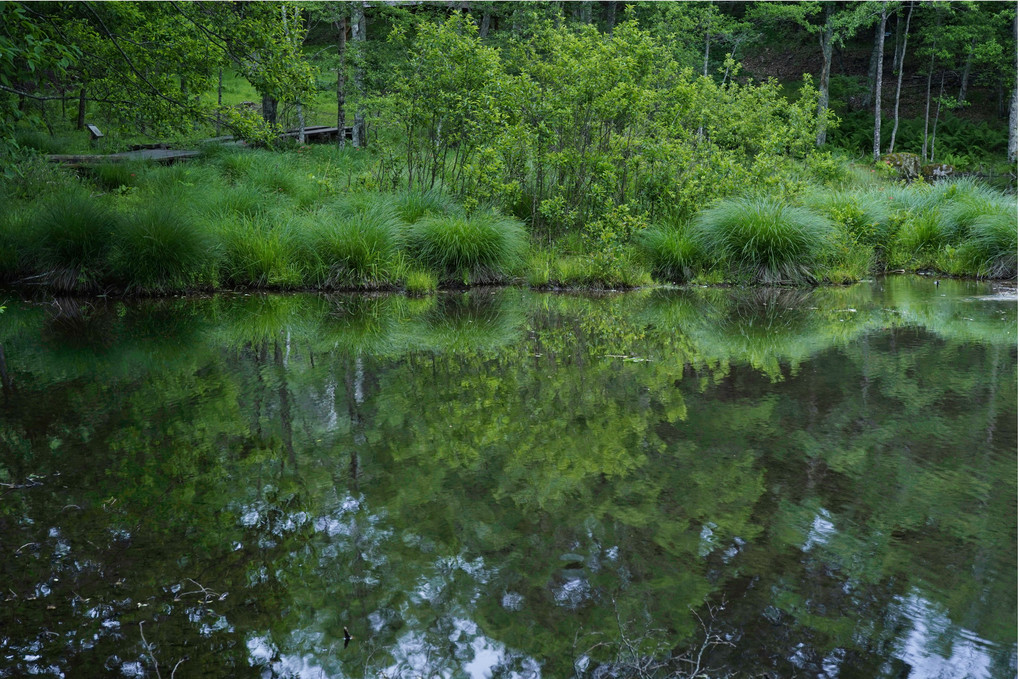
[863, 216]
[482, 247]
[160, 249]
[763, 240]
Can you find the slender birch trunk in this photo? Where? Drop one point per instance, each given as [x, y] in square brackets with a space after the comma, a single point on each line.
[876, 149]
[899, 80]
[341, 82]
[358, 36]
[823, 85]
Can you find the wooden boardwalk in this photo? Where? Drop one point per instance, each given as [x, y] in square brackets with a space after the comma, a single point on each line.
[159, 153]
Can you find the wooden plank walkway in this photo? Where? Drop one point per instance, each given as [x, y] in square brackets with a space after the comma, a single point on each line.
[163, 156]
[159, 153]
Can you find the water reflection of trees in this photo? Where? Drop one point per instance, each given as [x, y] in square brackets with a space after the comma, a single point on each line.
[534, 480]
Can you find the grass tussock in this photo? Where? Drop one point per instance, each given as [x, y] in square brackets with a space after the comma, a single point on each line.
[73, 234]
[484, 247]
[258, 253]
[160, 249]
[763, 240]
[672, 253]
[354, 250]
[412, 206]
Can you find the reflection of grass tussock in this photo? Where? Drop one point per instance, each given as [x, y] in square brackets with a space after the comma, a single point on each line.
[469, 321]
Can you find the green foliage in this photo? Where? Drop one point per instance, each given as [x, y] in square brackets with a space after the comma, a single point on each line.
[482, 247]
[161, 248]
[763, 240]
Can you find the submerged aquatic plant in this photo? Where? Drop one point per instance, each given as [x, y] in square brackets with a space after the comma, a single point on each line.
[764, 240]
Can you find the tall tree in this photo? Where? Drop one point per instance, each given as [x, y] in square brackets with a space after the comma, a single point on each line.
[358, 27]
[899, 79]
[876, 149]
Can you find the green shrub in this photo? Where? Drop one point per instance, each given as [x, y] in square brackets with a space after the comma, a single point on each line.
[73, 234]
[354, 249]
[763, 240]
[258, 253]
[483, 247]
[673, 254]
[160, 248]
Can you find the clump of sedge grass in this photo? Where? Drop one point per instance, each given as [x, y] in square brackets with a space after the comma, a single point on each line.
[413, 205]
[160, 248]
[672, 253]
[419, 282]
[482, 248]
[258, 253]
[272, 175]
[355, 249]
[15, 240]
[991, 248]
[764, 240]
[112, 176]
[73, 235]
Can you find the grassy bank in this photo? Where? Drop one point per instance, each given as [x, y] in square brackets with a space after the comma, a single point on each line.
[314, 218]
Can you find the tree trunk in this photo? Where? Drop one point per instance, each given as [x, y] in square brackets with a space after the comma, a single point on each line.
[610, 17]
[897, 63]
[966, 74]
[1011, 149]
[938, 110]
[899, 80]
[81, 108]
[483, 28]
[873, 64]
[927, 103]
[341, 82]
[823, 85]
[708, 35]
[269, 109]
[358, 35]
[876, 149]
[219, 102]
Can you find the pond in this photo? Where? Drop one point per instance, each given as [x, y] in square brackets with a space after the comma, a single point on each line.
[503, 483]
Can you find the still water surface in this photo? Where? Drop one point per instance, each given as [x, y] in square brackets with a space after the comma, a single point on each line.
[510, 484]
